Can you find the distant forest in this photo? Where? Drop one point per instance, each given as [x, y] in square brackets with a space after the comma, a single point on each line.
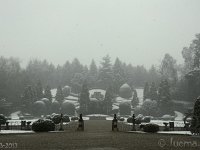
[184, 79]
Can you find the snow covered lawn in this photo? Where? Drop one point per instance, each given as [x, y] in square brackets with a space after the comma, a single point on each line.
[15, 132]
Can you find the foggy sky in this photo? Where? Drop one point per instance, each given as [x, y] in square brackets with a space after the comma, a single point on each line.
[137, 31]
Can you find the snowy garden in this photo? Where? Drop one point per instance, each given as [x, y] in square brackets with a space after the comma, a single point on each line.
[97, 104]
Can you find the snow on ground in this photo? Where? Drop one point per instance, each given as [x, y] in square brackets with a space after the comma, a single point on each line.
[15, 131]
[179, 116]
[97, 90]
[176, 132]
[70, 97]
[167, 132]
[97, 115]
[15, 115]
[120, 100]
[53, 92]
[140, 95]
[176, 123]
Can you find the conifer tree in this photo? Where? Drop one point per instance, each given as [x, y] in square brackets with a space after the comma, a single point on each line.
[47, 93]
[84, 99]
[164, 96]
[146, 91]
[59, 95]
[39, 90]
[108, 100]
[153, 92]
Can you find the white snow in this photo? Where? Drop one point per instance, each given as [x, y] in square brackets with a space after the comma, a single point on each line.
[97, 90]
[15, 131]
[179, 116]
[176, 132]
[53, 92]
[122, 100]
[140, 95]
[15, 115]
[73, 98]
[166, 132]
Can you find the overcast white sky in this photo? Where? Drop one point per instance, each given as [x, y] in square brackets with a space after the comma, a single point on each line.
[137, 31]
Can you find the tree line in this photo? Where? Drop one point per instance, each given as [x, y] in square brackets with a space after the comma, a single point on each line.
[183, 79]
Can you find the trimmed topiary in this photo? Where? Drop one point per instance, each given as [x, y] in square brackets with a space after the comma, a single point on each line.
[121, 119]
[125, 108]
[74, 118]
[68, 108]
[146, 119]
[130, 120]
[56, 118]
[66, 118]
[2, 119]
[125, 91]
[39, 108]
[152, 128]
[55, 107]
[43, 126]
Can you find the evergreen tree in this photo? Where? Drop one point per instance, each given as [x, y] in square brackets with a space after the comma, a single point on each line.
[84, 99]
[47, 93]
[59, 95]
[164, 96]
[196, 49]
[39, 90]
[153, 92]
[105, 73]
[93, 74]
[28, 98]
[196, 117]
[153, 75]
[146, 91]
[135, 100]
[108, 100]
[168, 69]
[118, 74]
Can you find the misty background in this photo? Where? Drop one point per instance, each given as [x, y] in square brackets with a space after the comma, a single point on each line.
[136, 31]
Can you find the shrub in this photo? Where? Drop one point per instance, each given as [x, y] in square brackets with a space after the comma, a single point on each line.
[39, 108]
[152, 128]
[66, 91]
[121, 119]
[43, 126]
[2, 119]
[57, 118]
[146, 119]
[130, 120]
[66, 118]
[47, 103]
[68, 108]
[125, 109]
[74, 118]
[125, 91]
[148, 108]
[55, 106]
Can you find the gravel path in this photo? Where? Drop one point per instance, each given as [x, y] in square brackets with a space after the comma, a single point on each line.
[97, 136]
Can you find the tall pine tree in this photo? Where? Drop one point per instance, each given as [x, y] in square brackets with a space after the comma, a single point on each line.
[108, 100]
[153, 95]
[146, 91]
[105, 73]
[118, 74]
[47, 93]
[84, 99]
[59, 95]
